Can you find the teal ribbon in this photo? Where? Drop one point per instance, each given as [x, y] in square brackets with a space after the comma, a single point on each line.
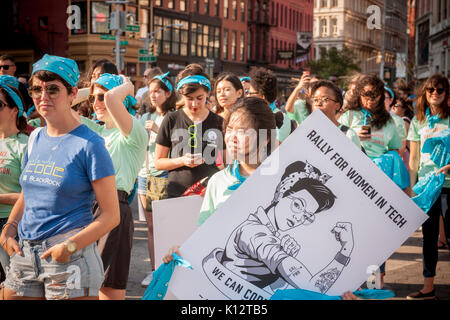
[64, 67]
[367, 114]
[235, 173]
[244, 79]
[432, 120]
[194, 79]
[6, 83]
[163, 79]
[157, 289]
[301, 294]
[273, 106]
[110, 81]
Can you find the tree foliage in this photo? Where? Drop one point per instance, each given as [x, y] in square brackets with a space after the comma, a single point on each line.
[334, 62]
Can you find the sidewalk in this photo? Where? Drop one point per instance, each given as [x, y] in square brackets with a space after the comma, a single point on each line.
[403, 269]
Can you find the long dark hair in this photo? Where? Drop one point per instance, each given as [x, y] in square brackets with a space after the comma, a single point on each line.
[21, 122]
[380, 116]
[170, 102]
[432, 82]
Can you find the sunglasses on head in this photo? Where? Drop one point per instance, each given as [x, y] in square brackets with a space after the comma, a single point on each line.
[100, 97]
[5, 66]
[52, 90]
[438, 90]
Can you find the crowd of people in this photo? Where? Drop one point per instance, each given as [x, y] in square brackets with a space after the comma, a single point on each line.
[74, 152]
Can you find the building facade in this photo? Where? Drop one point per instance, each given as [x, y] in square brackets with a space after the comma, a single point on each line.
[339, 23]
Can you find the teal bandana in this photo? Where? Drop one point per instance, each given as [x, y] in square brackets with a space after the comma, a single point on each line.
[367, 115]
[244, 79]
[63, 67]
[432, 120]
[110, 81]
[6, 83]
[163, 79]
[235, 172]
[194, 79]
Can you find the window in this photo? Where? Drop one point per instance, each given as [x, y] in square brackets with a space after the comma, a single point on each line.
[217, 7]
[225, 44]
[234, 46]
[173, 40]
[183, 5]
[250, 10]
[158, 3]
[205, 41]
[171, 4]
[207, 7]
[334, 28]
[83, 22]
[323, 28]
[249, 45]
[242, 10]
[242, 47]
[234, 10]
[99, 17]
[226, 3]
[195, 5]
[323, 3]
[143, 14]
[334, 3]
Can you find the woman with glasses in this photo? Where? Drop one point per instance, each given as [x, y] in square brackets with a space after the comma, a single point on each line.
[65, 166]
[126, 141]
[190, 138]
[228, 89]
[433, 116]
[13, 143]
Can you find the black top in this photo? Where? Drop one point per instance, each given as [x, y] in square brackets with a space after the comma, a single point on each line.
[182, 136]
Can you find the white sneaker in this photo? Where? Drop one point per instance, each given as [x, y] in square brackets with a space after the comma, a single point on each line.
[147, 280]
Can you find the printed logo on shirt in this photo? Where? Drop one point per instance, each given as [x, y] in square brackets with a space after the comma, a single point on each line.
[3, 157]
[51, 173]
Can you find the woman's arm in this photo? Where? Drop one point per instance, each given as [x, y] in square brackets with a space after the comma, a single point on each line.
[294, 95]
[9, 232]
[9, 198]
[82, 95]
[163, 162]
[414, 161]
[114, 103]
[106, 196]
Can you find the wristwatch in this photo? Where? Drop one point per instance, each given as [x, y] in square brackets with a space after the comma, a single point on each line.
[342, 259]
[71, 246]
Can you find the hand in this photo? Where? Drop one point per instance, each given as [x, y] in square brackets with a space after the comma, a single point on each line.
[290, 246]
[344, 234]
[189, 160]
[349, 296]
[444, 170]
[59, 253]
[304, 80]
[168, 257]
[10, 245]
[151, 125]
[364, 136]
[128, 85]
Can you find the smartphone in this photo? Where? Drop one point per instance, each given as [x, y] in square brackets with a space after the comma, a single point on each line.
[306, 72]
[367, 129]
[197, 157]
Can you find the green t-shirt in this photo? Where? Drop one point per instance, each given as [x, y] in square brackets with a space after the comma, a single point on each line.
[285, 130]
[419, 132]
[12, 150]
[127, 154]
[300, 111]
[35, 123]
[217, 192]
[381, 141]
[157, 118]
[352, 135]
[401, 128]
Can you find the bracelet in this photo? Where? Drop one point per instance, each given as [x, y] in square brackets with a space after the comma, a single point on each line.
[4, 242]
[13, 223]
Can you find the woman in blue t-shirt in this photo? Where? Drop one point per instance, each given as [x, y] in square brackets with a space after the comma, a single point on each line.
[66, 165]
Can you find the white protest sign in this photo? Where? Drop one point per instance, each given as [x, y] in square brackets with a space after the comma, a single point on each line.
[174, 221]
[318, 221]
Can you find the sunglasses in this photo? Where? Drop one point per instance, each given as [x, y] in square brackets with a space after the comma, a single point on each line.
[5, 66]
[371, 95]
[438, 90]
[100, 97]
[52, 90]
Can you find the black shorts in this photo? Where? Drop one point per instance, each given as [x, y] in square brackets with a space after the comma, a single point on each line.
[115, 246]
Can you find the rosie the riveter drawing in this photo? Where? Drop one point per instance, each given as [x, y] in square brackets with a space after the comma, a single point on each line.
[255, 252]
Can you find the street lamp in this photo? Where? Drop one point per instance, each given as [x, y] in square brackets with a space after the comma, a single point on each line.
[151, 38]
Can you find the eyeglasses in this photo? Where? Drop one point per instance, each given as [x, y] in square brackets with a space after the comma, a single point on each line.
[3, 105]
[370, 95]
[52, 90]
[322, 100]
[438, 90]
[6, 66]
[100, 97]
[252, 93]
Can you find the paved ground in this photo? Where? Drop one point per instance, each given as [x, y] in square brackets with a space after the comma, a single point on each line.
[403, 269]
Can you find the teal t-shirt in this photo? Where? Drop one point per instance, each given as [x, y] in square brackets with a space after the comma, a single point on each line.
[300, 111]
[127, 154]
[400, 124]
[12, 151]
[381, 141]
[285, 130]
[35, 123]
[157, 118]
[352, 135]
[419, 132]
[217, 192]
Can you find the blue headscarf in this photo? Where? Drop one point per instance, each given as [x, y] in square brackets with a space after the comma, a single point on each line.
[163, 79]
[110, 81]
[244, 79]
[63, 67]
[432, 120]
[7, 82]
[194, 79]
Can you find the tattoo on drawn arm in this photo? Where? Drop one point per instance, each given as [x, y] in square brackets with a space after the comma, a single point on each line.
[327, 279]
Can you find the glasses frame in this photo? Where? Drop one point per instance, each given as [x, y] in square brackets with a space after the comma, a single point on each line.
[432, 90]
[49, 88]
[100, 97]
[322, 100]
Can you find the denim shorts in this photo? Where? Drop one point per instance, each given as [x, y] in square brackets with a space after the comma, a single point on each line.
[142, 185]
[30, 276]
